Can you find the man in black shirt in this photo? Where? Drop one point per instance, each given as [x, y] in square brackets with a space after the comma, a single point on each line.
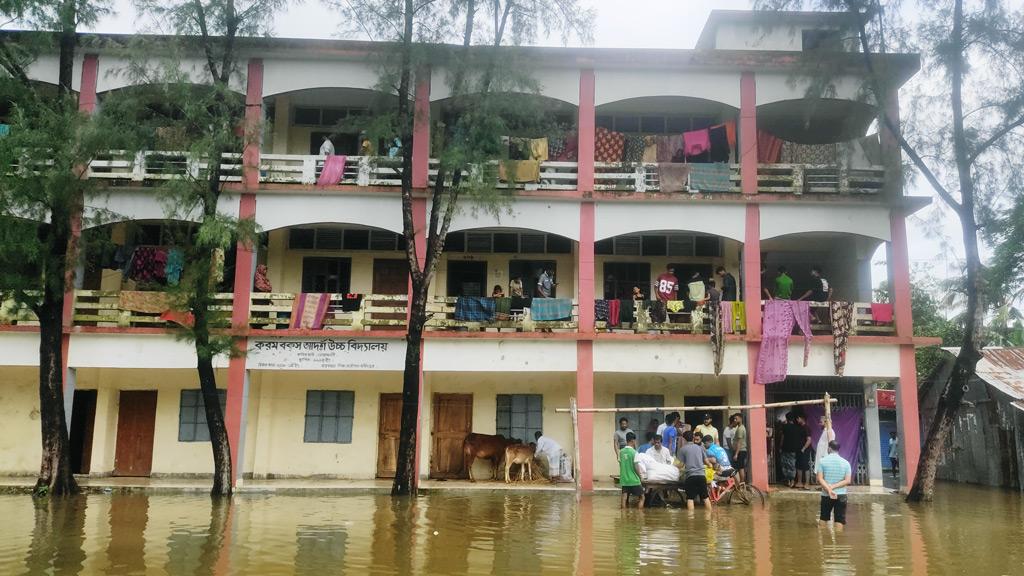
[728, 285]
[820, 291]
[795, 440]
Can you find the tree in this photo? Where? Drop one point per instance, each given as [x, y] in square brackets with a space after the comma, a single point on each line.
[212, 116]
[481, 81]
[966, 145]
[929, 320]
[41, 201]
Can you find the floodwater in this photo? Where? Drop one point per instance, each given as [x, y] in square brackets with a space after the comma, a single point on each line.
[967, 530]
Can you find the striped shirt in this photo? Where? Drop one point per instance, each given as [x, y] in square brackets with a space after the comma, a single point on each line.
[833, 468]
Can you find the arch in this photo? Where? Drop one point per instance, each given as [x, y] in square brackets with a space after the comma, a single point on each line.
[617, 219]
[117, 72]
[45, 69]
[668, 104]
[555, 84]
[778, 87]
[553, 217]
[291, 75]
[332, 96]
[613, 85]
[816, 121]
[286, 210]
[782, 220]
[113, 206]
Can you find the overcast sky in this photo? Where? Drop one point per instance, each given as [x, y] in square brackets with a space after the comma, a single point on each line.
[620, 24]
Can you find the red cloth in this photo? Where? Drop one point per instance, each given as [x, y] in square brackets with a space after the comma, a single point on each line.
[769, 148]
[334, 170]
[696, 142]
[613, 313]
[730, 132]
[262, 283]
[608, 145]
[881, 313]
[185, 319]
[668, 287]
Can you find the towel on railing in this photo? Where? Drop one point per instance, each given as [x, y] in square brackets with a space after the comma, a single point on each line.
[672, 176]
[769, 147]
[601, 310]
[474, 309]
[519, 170]
[334, 170]
[779, 318]
[550, 309]
[720, 149]
[626, 312]
[710, 178]
[350, 302]
[670, 148]
[145, 302]
[696, 142]
[502, 308]
[657, 310]
[539, 149]
[520, 302]
[613, 313]
[308, 310]
[881, 313]
[608, 145]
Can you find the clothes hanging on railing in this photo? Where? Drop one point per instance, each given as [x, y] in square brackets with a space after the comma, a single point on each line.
[672, 176]
[779, 319]
[147, 302]
[675, 306]
[600, 310]
[564, 148]
[725, 317]
[739, 314]
[670, 148]
[881, 313]
[186, 319]
[730, 133]
[350, 302]
[717, 334]
[650, 154]
[551, 309]
[633, 150]
[308, 310]
[148, 264]
[520, 302]
[710, 178]
[333, 171]
[719, 144]
[627, 313]
[793, 153]
[696, 142]
[261, 282]
[657, 310]
[614, 313]
[519, 171]
[842, 319]
[539, 149]
[502, 308]
[697, 317]
[474, 309]
[608, 145]
[769, 148]
[175, 265]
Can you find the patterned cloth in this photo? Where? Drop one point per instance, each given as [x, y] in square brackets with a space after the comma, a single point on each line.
[146, 302]
[262, 282]
[842, 319]
[601, 310]
[650, 149]
[148, 264]
[717, 337]
[608, 145]
[675, 306]
[539, 149]
[308, 311]
[474, 309]
[739, 314]
[726, 319]
[175, 265]
[670, 148]
[658, 311]
[793, 153]
[710, 178]
[634, 149]
[556, 147]
[672, 176]
[779, 318]
[551, 309]
[333, 172]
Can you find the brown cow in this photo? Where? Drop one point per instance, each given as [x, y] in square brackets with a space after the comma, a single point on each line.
[485, 447]
[521, 454]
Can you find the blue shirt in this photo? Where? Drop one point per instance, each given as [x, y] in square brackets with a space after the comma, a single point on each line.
[833, 468]
[719, 453]
[643, 448]
[668, 438]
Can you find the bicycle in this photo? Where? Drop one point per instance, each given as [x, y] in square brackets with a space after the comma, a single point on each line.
[745, 493]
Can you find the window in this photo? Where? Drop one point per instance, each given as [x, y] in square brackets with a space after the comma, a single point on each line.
[307, 116]
[638, 420]
[620, 277]
[707, 246]
[329, 416]
[520, 415]
[344, 239]
[661, 245]
[326, 275]
[481, 242]
[192, 425]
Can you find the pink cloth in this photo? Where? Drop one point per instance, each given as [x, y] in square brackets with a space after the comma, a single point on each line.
[696, 142]
[727, 320]
[779, 318]
[334, 169]
[881, 313]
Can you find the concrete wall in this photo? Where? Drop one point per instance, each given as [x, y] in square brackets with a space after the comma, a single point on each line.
[19, 411]
[284, 266]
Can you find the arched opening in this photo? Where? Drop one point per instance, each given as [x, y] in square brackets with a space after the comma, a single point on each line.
[297, 122]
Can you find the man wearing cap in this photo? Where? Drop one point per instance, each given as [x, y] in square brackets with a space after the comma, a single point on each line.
[707, 428]
[834, 474]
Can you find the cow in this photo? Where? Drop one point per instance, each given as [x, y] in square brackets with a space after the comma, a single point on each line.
[521, 454]
[486, 447]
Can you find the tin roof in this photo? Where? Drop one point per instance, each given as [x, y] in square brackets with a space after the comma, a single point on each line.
[1002, 368]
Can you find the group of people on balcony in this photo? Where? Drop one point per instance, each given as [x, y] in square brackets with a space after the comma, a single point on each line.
[541, 303]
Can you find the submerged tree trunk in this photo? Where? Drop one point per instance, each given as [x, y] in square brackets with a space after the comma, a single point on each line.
[55, 476]
[406, 474]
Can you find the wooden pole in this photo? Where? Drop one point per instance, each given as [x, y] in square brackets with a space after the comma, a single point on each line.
[828, 400]
[575, 446]
[828, 412]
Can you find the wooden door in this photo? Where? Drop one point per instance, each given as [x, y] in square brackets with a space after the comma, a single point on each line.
[390, 276]
[83, 415]
[452, 422]
[387, 434]
[136, 419]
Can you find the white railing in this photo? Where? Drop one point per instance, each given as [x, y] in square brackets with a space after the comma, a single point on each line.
[148, 165]
[553, 176]
[306, 169]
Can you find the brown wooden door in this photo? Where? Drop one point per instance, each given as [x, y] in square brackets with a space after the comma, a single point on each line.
[136, 419]
[387, 434]
[390, 276]
[452, 422]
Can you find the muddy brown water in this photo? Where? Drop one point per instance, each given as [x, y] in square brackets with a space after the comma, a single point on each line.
[966, 531]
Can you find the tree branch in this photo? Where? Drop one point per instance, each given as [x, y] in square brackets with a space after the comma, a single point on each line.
[991, 140]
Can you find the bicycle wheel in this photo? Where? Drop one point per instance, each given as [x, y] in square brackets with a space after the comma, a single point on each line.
[725, 498]
[752, 493]
[741, 496]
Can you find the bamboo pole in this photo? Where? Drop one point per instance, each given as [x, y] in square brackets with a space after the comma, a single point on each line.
[827, 400]
[574, 409]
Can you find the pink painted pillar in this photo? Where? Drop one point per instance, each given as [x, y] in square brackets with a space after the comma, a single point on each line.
[238, 376]
[585, 129]
[419, 223]
[909, 421]
[90, 75]
[585, 345]
[421, 131]
[748, 133]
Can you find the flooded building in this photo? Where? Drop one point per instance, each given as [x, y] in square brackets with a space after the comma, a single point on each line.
[666, 160]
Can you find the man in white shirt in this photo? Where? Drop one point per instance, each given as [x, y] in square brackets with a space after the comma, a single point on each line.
[559, 469]
[327, 148]
[659, 452]
[707, 428]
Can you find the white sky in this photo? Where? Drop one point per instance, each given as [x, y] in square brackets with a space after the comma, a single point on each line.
[620, 24]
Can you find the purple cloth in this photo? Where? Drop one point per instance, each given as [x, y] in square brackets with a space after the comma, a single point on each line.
[334, 170]
[846, 423]
[779, 318]
[727, 321]
[696, 142]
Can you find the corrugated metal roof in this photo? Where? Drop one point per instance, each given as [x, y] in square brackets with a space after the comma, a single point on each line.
[1002, 368]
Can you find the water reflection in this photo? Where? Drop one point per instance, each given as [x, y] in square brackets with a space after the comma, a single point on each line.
[502, 534]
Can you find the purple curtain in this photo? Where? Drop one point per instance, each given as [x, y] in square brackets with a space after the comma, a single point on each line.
[846, 423]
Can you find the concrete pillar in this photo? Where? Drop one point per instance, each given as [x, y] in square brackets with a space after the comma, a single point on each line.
[585, 346]
[907, 417]
[586, 127]
[748, 133]
[421, 131]
[874, 446]
[282, 117]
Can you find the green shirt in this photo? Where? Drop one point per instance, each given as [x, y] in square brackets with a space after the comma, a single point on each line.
[627, 470]
[783, 287]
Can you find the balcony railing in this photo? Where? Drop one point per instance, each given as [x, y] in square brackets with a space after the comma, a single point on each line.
[306, 169]
[862, 324]
[441, 316]
[675, 322]
[158, 166]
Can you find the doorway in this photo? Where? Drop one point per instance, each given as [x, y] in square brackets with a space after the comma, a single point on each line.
[388, 428]
[529, 271]
[467, 278]
[452, 422]
[696, 417]
[136, 420]
[83, 418]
